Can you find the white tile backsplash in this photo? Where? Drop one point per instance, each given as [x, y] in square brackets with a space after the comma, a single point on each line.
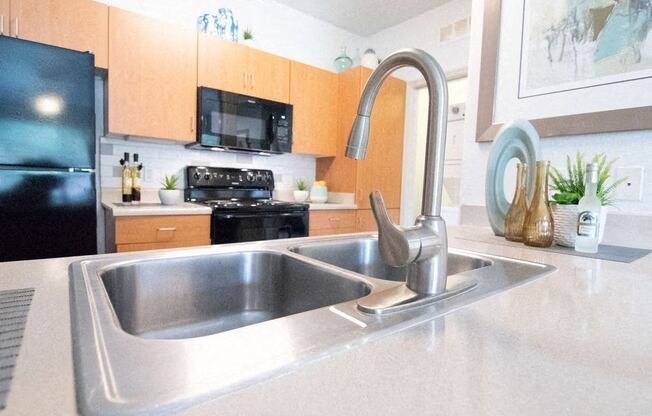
[160, 159]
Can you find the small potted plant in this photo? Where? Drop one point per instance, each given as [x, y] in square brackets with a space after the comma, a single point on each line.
[248, 37]
[169, 194]
[569, 189]
[301, 193]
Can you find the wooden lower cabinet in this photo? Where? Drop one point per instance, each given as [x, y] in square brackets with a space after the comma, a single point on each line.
[329, 222]
[137, 233]
[365, 220]
[346, 221]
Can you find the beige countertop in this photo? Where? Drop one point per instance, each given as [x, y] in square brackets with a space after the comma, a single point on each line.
[150, 208]
[330, 206]
[575, 342]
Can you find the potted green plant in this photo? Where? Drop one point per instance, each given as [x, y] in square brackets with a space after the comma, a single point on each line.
[248, 37]
[301, 193]
[169, 194]
[568, 189]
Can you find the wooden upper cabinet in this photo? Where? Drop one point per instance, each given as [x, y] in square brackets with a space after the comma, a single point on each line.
[236, 68]
[74, 24]
[382, 168]
[268, 76]
[5, 17]
[314, 95]
[221, 64]
[152, 84]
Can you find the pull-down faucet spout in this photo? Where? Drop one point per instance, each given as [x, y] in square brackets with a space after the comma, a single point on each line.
[423, 248]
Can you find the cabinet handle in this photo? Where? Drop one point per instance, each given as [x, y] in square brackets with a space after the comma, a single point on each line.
[16, 27]
[251, 81]
[244, 80]
[333, 219]
[192, 124]
[2, 24]
[167, 229]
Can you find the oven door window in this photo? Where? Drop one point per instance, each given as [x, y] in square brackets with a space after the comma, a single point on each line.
[237, 228]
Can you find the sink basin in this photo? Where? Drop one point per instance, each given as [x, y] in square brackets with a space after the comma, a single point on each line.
[361, 255]
[158, 332]
[190, 297]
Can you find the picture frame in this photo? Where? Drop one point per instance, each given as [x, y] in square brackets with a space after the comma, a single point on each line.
[613, 120]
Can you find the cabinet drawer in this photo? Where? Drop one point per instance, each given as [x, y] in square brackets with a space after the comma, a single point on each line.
[162, 228]
[325, 220]
[123, 248]
[332, 231]
[366, 221]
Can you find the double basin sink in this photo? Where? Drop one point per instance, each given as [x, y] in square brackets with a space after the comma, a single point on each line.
[158, 332]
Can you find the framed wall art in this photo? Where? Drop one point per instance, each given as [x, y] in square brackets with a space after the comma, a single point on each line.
[569, 66]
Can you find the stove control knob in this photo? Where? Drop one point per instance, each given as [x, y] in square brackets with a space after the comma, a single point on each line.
[196, 175]
[207, 176]
[250, 176]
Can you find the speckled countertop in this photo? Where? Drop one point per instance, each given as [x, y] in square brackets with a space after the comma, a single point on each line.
[576, 342]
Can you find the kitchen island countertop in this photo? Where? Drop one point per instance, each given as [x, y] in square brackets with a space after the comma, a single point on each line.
[574, 342]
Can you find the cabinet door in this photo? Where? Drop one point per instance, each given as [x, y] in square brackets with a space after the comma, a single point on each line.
[221, 64]
[340, 171]
[152, 78]
[382, 168]
[366, 222]
[5, 17]
[74, 24]
[268, 76]
[313, 93]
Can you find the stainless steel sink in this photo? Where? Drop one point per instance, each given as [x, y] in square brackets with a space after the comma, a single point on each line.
[361, 255]
[195, 296]
[156, 332]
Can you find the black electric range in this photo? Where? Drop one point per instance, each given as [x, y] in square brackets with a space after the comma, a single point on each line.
[243, 208]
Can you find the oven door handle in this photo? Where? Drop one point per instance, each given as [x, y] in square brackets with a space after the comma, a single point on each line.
[266, 214]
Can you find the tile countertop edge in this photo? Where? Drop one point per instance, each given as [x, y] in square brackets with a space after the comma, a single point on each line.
[574, 342]
[151, 210]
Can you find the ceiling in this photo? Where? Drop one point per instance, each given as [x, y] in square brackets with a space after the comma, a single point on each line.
[363, 17]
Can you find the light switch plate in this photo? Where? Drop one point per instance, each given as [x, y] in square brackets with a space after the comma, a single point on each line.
[632, 188]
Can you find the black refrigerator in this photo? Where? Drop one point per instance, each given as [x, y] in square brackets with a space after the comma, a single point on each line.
[47, 151]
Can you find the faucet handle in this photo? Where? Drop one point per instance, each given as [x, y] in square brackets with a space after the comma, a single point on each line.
[395, 247]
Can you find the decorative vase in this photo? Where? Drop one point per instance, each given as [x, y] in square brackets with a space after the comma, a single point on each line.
[343, 62]
[222, 24]
[565, 218]
[301, 196]
[520, 140]
[170, 196]
[370, 59]
[538, 229]
[515, 217]
[319, 192]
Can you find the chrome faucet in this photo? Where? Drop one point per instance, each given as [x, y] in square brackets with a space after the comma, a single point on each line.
[423, 248]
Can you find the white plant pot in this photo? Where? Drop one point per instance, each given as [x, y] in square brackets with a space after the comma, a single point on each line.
[170, 196]
[301, 196]
[565, 218]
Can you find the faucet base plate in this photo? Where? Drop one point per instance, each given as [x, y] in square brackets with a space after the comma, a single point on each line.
[401, 297]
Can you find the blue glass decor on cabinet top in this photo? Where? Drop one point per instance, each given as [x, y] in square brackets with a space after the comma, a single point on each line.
[222, 24]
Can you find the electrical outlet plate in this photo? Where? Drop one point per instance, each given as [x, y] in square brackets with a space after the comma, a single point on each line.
[632, 188]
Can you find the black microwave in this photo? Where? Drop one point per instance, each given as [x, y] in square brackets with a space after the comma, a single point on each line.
[229, 121]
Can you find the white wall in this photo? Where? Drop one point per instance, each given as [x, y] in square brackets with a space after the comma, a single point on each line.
[632, 148]
[423, 32]
[277, 28]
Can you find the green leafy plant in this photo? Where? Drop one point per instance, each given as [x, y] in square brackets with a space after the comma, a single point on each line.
[247, 34]
[569, 189]
[302, 185]
[170, 182]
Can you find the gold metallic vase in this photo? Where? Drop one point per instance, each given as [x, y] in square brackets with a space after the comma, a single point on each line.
[538, 228]
[515, 218]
